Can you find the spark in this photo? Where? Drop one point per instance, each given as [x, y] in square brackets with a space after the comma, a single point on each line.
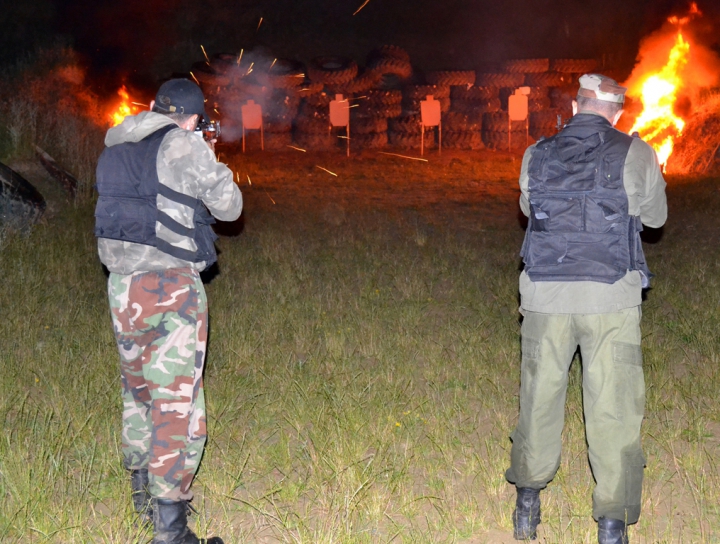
[344, 137]
[139, 104]
[328, 171]
[273, 64]
[403, 156]
[216, 111]
[365, 3]
[240, 57]
[250, 69]
[271, 198]
[237, 176]
[298, 148]
[248, 176]
[204, 53]
[354, 105]
[259, 23]
[196, 80]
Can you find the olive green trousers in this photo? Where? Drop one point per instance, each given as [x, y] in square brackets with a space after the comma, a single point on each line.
[613, 404]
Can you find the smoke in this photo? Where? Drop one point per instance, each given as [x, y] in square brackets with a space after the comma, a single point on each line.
[246, 78]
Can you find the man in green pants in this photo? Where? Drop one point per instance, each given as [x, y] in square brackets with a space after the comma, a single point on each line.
[586, 191]
[160, 184]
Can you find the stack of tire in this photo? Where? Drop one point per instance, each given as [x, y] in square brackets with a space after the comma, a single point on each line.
[370, 117]
[503, 83]
[462, 131]
[561, 83]
[405, 132]
[372, 105]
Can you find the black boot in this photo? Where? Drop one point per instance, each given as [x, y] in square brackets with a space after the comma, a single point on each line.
[527, 514]
[612, 531]
[140, 495]
[170, 520]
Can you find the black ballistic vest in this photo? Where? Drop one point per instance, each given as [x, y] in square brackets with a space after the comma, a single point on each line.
[579, 227]
[126, 210]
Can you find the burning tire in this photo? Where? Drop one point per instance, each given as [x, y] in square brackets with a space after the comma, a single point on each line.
[372, 140]
[332, 70]
[21, 205]
[500, 79]
[469, 107]
[284, 74]
[473, 93]
[368, 125]
[526, 66]
[448, 78]
[576, 66]
[462, 140]
[549, 79]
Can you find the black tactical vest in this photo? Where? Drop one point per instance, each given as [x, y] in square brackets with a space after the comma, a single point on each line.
[579, 227]
[126, 210]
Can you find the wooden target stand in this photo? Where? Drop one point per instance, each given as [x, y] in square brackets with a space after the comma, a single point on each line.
[340, 117]
[430, 117]
[518, 111]
[252, 120]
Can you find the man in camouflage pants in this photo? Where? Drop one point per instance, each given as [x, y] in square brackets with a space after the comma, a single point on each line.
[157, 180]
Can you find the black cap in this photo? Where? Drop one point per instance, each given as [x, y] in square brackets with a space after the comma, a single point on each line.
[180, 96]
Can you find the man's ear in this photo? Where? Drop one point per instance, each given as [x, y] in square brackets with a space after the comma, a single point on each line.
[617, 117]
[574, 107]
[191, 123]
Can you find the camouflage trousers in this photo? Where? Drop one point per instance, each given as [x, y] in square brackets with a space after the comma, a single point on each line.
[160, 322]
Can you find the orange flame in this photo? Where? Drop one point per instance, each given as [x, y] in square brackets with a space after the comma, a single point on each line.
[123, 109]
[658, 124]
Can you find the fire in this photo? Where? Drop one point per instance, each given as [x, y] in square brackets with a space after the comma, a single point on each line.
[658, 124]
[659, 86]
[125, 108]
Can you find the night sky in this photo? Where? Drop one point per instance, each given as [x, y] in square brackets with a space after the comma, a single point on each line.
[141, 41]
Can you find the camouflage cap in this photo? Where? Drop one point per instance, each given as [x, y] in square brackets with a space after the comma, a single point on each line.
[601, 87]
[180, 96]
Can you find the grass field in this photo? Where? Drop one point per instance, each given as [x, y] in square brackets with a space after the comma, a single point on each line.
[363, 367]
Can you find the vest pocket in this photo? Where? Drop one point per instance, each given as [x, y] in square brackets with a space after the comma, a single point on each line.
[557, 214]
[583, 254]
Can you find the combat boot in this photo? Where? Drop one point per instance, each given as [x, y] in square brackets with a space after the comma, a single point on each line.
[170, 524]
[612, 531]
[526, 516]
[140, 495]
